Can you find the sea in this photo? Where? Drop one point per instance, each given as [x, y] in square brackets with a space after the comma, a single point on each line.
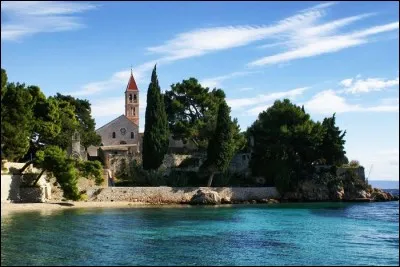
[256, 234]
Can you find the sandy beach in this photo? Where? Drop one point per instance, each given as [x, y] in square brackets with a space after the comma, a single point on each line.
[7, 208]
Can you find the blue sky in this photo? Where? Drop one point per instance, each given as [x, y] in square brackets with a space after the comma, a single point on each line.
[330, 56]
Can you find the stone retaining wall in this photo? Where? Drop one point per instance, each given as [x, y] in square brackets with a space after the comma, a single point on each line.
[32, 194]
[164, 194]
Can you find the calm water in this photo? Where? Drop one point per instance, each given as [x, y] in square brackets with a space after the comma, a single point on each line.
[284, 234]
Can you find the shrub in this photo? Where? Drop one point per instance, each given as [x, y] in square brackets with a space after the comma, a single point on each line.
[354, 163]
[92, 170]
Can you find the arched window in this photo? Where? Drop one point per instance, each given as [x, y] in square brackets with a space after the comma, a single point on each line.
[113, 135]
[130, 98]
[132, 135]
[134, 98]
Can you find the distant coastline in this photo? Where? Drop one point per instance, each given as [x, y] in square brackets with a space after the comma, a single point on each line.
[384, 184]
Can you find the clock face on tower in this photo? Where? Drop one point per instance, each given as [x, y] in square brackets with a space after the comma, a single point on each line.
[123, 131]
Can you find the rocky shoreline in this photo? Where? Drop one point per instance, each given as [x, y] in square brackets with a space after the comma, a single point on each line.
[209, 197]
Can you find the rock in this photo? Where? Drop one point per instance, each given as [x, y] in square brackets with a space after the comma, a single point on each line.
[226, 201]
[272, 201]
[253, 201]
[337, 193]
[380, 196]
[205, 197]
[264, 200]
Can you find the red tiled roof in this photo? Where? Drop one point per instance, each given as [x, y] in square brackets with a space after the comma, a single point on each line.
[132, 84]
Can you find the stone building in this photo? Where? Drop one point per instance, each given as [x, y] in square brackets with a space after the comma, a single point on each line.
[76, 150]
[121, 135]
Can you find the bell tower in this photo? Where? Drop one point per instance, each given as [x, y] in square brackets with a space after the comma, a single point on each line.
[132, 101]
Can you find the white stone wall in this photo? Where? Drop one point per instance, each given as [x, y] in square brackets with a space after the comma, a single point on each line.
[164, 194]
[10, 187]
[115, 126]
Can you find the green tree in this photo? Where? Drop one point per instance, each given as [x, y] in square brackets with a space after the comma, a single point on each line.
[155, 139]
[53, 159]
[46, 124]
[192, 111]
[16, 124]
[4, 80]
[221, 147]
[286, 143]
[332, 147]
[68, 123]
[84, 117]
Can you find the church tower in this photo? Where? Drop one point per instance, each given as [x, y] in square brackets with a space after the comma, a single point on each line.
[132, 101]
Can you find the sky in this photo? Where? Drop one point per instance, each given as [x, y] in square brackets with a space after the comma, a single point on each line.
[331, 57]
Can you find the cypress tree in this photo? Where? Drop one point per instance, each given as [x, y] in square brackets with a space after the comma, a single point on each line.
[155, 139]
[222, 145]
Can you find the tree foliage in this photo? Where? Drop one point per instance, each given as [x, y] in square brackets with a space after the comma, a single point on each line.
[16, 121]
[286, 143]
[332, 147]
[86, 128]
[53, 159]
[155, 139]
[91, 170]
[4, 80]
[192, 111]
[221, 147]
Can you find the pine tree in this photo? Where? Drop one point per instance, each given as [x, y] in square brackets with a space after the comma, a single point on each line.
[16, 121]
[222, 145]
[155, 139]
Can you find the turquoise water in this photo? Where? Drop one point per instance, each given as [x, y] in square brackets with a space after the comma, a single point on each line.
[283, 234]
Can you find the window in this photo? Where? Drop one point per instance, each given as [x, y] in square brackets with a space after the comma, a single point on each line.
[134, 98]
[113, 135]
[122, 143]
[132, 135]
[130, 98]
[131, 111]
[134, 111]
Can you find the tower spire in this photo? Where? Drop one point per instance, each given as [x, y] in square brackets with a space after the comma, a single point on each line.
[131, 70]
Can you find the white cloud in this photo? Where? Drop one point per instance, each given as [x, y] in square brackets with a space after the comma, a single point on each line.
[328, 102]
[357, 85]
[347, 82]
[201, 41]
[216, 81]
[313, 40]
[257, 110]
[245, 102]
[390, 101]
[117, 80]
[26, 18]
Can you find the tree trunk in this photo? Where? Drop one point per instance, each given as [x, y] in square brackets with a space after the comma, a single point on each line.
[210, 179]
[37, 179]
[25, 166]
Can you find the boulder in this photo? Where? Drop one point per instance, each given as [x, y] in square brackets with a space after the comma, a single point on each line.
[272, 201]
[379, 195]
[205, 197]
[226, 200]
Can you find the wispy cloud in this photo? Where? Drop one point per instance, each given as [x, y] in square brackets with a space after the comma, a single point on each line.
[357, 85]
[26, 18]
[264, 98]
[117, 80]
[206, 40]
[328, 102]
[308, 41]
[217, 81]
